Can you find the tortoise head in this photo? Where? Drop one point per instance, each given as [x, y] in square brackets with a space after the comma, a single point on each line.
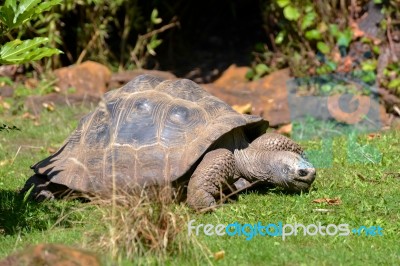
[290, 171]
[278, 166]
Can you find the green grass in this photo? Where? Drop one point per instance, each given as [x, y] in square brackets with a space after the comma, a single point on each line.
[369, 194]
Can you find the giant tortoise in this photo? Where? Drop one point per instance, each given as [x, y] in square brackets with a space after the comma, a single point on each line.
[170, 132]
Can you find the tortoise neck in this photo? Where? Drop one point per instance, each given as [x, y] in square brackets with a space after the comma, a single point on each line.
[243, 160]
[254, 164]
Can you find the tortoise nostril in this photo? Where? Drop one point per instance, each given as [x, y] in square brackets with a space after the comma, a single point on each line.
[303, 172]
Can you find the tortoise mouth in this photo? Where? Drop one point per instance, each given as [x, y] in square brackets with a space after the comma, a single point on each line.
[304, 181]
[300, 184]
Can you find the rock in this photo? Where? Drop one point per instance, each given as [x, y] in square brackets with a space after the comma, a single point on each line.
[268, 95]
[269, 98]
[51, 254]
[6, 91]
[232, 76]
[88, 78]
[9, 70]
[121, 78]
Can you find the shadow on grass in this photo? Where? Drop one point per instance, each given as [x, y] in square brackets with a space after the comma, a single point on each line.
[263, 189]
[20, 215]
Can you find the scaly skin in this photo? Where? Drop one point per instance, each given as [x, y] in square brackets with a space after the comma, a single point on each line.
[213, 175]
[271, 158]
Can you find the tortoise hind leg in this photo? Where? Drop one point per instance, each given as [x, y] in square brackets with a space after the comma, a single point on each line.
[43, 189]
[214, 174]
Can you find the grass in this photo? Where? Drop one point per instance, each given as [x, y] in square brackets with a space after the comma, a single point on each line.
[368, 193]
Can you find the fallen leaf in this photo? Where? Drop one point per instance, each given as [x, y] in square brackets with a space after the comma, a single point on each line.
[6, 105]
[335, 201]
[49, 106]
[219, 255]
[346, 64]
[243, 109]
[51, 150]
[5, 162]
[373, 136]
[357, 32]
[362, 178]
[28, 115]
[335, 54]
[31, 83]
[391, 174]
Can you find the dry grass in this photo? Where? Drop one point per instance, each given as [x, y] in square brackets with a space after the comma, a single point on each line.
[146, 224]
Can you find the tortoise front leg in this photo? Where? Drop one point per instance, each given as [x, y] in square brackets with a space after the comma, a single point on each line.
[215, 173]
[43, 189]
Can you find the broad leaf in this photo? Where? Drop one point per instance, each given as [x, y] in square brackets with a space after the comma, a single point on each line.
[280, 37]
[394, 84]
[291, 12]
[344, 38]
[283, 3]
[18, 52]
[308, 20]
[14, 15]
[313, 35]
[323, 48]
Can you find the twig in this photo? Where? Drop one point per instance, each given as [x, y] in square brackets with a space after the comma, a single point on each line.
[162, 29]
[226, 197]
[397, 109]
[124, 37]
[84, 51]
[362, 178]
[140, 43]
[15, 156]
[389, 36]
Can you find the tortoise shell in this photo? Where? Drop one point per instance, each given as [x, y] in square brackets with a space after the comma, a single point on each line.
[148, 131]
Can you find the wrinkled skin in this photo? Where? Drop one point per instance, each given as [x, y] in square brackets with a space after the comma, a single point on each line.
[270, 159]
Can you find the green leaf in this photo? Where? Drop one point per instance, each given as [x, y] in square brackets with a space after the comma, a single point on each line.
[25, 6]
[250, 74]
[332, 65]
[326, 88]
[48, 4]
[153, 44]
[368, 76]
[394, 84]
[291, 13]
[313, 35]
[323, 48]
[376, 49]
[154, 17]
[7, 15]
[309, 8]
[18, 52]
[14, 15]
[308, 20]
[334, 30]
[344, 38]
[261, 69]
[369, 65]
[280, 37]
[282, 3]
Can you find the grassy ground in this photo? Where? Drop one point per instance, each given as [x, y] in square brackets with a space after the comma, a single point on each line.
[368, 196]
